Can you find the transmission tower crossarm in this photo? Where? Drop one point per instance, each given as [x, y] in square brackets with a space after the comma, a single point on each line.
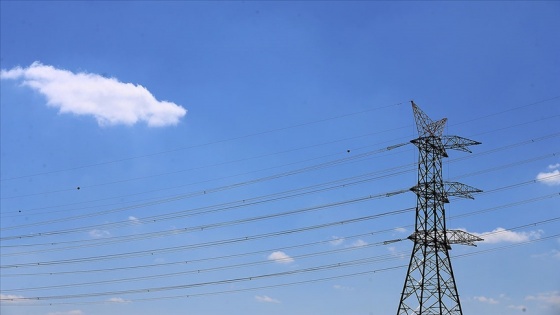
[458, 143]
[431, 143]
[456, 189]
[462, 237]
[442, 237]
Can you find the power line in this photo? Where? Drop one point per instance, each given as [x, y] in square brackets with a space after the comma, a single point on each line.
[221, 188]
[469, 174]
[255, 237]
[223, 163]
[358, 178]
[202, 145]
[259, 262]
[251, 278]
[261, 133]
[215, 208]
[213, 243]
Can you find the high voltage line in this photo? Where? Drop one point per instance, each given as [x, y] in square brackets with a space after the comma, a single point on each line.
[182, 262]
[217, 189]
[199, 260]
[212, 243]
[240, 239]
[276, 176]
[265, 132]
[222, 207]
[126, 180]
[201, 145]
[248, 278]
[229, 206]
[175, 172]
[327, 265]
[207, 259]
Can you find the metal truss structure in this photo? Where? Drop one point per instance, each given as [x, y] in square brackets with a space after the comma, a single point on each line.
[429, 288]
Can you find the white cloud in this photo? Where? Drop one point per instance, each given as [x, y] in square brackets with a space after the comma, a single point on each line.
[266, 299]
[336, 240]
[358, 243]
[400, 230]
[551, 178]
[400, 254]
[487, 300]
[134, 220]
[280, 257]
[553, 253]
[118, 300]
[500, 235]
[110, 101]
[342, 287]
[549, 298]
[72, 312]
[99, 233]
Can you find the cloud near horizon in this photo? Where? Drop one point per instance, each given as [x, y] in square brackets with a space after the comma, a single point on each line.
[110, 101]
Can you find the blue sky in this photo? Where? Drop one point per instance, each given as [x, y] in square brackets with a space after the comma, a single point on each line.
[231, 157]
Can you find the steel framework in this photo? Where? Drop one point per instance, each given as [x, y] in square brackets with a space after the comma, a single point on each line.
[429, 288]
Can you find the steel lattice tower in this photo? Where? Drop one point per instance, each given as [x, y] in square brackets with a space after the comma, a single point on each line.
[429, 288]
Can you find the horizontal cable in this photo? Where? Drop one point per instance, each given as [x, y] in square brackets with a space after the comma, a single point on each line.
[188, 195]
[214, 243]
[243, 279]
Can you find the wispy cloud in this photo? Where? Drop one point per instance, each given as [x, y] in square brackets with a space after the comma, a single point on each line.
[358, 243]
[134, 220]
[72, 312]
[400, 230]
[522, 308]
[335, 240]
[342, 287]
[553, 253]
[393, 250]
[486, 300]
[110, 101]
[280, 257]
[501, 235]
[548, 298]
[99, 233]
[552, 177]
[118, 300]
[266, 299]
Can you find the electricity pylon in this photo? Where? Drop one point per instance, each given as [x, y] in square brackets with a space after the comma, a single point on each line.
[429, 288]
